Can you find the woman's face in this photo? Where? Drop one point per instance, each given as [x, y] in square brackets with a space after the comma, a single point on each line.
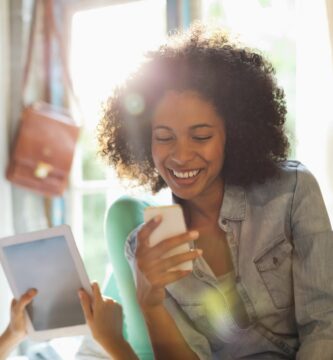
[188, 141]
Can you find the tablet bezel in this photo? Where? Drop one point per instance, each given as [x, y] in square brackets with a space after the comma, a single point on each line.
[65, 231]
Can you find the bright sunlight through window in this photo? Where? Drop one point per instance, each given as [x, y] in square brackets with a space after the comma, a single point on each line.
[107, 43]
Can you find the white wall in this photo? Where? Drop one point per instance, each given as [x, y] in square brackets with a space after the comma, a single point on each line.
[5, 191]
[314, 96]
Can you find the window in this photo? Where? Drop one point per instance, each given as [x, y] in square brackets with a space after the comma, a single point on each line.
[106, 44]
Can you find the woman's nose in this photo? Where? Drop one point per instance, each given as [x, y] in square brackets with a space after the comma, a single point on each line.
[182, 153]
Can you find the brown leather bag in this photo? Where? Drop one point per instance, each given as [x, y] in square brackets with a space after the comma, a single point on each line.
[43, 151]
[45, 141]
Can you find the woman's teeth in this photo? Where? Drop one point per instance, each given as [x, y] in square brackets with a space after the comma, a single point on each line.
[185, 174]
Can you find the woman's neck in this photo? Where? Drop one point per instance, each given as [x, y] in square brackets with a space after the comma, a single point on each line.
[204, 209]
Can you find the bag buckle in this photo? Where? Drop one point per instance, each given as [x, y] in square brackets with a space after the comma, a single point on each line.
[42, 170]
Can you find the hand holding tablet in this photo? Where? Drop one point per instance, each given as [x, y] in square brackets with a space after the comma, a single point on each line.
[16, 329]
[48, 261]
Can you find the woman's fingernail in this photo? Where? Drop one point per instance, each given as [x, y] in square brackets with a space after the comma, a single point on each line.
[157, 218]
[194, 234]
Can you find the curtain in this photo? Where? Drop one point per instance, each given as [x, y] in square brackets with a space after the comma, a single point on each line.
[20, 210]
[28, 207]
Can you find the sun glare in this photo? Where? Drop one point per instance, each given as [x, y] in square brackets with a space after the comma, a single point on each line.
[107, 44]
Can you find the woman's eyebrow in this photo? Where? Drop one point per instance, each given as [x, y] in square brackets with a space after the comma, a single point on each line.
[193, 127]
[157, 127]
[198, 126]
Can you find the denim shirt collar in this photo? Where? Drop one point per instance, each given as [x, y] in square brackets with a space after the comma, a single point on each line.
[233, 205]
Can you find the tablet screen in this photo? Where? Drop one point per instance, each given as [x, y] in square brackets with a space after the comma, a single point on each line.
[47, 265]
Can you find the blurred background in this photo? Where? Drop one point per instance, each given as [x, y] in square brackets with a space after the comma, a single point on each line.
[104, 41]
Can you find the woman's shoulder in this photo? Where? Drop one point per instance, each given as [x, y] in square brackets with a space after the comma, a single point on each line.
[125, 205]
[296, 173]
[291, 176]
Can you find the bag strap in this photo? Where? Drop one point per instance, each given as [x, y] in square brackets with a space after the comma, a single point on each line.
[31, 41]
[50, 31]
[54, 30]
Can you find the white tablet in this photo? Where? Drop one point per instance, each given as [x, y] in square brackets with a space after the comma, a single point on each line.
[48, 261]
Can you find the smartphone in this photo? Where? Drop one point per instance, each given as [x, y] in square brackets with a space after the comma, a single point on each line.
[173, 223]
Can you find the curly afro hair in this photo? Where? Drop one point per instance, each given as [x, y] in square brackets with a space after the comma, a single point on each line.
[237, 80]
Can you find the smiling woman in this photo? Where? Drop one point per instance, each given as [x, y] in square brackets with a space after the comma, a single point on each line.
[212, 130]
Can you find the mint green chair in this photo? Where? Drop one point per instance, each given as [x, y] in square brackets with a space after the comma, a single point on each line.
[123, 216]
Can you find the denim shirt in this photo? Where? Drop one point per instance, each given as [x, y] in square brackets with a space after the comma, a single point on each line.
[281, 245]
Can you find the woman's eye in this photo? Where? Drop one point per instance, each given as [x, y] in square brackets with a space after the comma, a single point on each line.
[202, 138]
[163, 139]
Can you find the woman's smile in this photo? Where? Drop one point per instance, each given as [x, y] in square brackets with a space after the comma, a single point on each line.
[185, 174]
[184, 177]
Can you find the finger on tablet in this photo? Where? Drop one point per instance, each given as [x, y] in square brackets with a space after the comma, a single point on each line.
[86, 305]
[96, 292]
[25, 299]
[13, 304]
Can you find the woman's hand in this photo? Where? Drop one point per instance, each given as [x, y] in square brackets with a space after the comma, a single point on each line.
[153, 272]
[105, 320]
[16, 330]
[103, 315]
[17, 324]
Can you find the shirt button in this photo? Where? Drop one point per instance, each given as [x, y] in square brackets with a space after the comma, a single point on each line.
[224, 222]
[275, 260]
[199, 273]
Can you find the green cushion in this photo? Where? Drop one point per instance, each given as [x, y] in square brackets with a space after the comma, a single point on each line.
[123, 216]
